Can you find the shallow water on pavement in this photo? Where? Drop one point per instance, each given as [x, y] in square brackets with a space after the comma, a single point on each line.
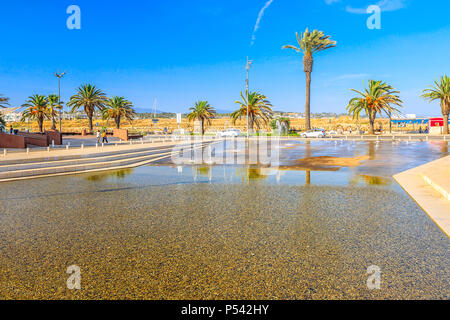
[227, 232]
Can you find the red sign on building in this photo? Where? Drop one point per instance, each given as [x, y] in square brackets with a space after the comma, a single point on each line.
[436, 122]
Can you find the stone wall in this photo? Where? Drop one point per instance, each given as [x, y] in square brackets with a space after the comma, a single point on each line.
[35, 139]
[54, 136]
[121, 134]
[11, 141]
[24, 139]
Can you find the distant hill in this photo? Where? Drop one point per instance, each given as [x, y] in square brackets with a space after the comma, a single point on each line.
[145, 111]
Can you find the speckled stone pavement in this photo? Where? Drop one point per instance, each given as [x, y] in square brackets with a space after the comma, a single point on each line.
[179, 240]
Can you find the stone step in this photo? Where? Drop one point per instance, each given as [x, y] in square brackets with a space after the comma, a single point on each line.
[108, 156]
[439, 179]
[98, 153]
[75, 168]
[50, 169]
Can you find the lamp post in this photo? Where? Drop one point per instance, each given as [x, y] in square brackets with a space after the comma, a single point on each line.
[59, 76]
[247, 67]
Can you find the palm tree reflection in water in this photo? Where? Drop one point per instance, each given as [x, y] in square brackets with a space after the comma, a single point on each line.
[101, 176]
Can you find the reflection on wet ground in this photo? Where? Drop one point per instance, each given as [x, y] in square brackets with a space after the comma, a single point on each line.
[228, 231]
[104, 175]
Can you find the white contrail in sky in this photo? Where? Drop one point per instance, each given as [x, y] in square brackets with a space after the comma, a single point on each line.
[260, 15]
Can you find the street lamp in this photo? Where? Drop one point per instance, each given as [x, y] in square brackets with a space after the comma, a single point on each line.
[247, 67]
[59, 76]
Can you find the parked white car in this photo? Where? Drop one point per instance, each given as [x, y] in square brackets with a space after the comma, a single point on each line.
[229, 133]
[316, 133]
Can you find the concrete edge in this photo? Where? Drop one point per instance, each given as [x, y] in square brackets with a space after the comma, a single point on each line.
[432, 202]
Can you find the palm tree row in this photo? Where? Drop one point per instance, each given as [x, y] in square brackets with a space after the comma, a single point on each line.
[88, 97]
[259, 111]
[378, 98]
[38, 109]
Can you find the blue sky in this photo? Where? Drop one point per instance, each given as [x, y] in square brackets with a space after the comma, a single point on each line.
[183, 51]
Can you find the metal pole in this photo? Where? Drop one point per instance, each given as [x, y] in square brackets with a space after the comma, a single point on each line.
[249, 63]
[59, 76]
[59, 102]
[246, 90]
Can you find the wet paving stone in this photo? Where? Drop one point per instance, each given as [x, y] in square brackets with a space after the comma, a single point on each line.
[222, 233]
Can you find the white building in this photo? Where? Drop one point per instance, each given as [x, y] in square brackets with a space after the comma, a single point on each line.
[10, 114]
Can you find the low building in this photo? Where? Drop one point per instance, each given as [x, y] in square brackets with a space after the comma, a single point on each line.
[434, 125]
[11, 114]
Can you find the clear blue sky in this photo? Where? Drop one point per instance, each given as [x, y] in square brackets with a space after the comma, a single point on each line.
[181, 51]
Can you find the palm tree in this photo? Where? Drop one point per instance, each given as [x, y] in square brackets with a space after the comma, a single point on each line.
[90, 98]
[378, 98]
[37, 109]
[202, 112]
[2, 123]
[3, 101]
[118, 108]
[53, 105]
[259, 109]
[440, 91]
[309, 43]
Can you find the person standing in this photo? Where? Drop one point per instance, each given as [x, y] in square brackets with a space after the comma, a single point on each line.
[105, 139]
[98, 136]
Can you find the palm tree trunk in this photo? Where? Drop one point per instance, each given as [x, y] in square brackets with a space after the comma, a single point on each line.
[40, 124]
[203, 126]
[308, 101]
[117, 122]
[372, 123]
[91, 127]
[446, 124]
[308, 62]
[53, 123]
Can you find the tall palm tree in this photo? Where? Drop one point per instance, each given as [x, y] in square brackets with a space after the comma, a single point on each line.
[53, 106]
[440, 91]
[118, 108]
[378, 98]
[37, 109]
[3, 101]
[259, 109]
[202, 112]
[89, 97]
[310, 43]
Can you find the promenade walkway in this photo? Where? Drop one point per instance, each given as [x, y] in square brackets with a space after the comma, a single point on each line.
[429, 186]
[63, 161]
